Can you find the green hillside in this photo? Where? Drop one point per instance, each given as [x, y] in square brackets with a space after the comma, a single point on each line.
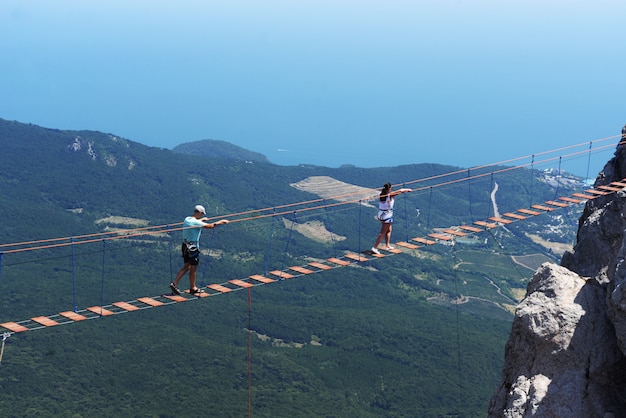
[216, 149]
[417, 334]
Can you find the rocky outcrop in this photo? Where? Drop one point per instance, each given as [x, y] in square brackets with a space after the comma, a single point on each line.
[566, 354]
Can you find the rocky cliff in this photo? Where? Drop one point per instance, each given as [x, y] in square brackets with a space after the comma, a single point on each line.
[566, 355]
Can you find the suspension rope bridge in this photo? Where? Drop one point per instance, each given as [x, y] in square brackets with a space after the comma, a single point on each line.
[442, 235]
[350, 258]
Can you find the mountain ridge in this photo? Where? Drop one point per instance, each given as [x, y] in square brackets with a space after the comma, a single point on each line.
[220, 149]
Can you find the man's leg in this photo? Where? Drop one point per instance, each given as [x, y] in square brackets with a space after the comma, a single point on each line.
[192, 277]
[181, 273]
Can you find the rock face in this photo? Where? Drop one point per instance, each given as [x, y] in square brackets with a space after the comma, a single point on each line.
[566, 354]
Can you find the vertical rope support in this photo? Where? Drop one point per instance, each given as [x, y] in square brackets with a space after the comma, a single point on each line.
[558, 180]
[332, 238]
[4, 338]
[532, 163]
[406, 215]
[469, 193]
[491, 185]
[73, 275]
[249, 350]
[359, 228]
[269, 247]
[293, 222]
[208, 257]
[430, 196]
[104, 249]
[458, 326]
[1, 253]
[588, 164]
[169, 246]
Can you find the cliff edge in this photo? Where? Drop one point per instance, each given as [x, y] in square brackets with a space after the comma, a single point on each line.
[566, 354]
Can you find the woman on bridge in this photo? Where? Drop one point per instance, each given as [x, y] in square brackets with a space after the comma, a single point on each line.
[385, 216]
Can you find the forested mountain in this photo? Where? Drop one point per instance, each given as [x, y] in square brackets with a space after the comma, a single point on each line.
[217, 149]
[418, 334]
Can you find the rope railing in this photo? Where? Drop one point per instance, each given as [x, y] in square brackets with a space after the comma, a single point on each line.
[442, 235]
[309, 205]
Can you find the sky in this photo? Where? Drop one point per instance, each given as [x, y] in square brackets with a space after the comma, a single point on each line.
[370, 83]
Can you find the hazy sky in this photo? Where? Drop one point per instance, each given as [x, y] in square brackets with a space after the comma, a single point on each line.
[371, 83]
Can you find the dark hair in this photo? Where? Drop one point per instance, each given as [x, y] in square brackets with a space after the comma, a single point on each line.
[385, 192]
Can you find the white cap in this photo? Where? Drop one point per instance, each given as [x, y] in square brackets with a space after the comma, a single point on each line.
[200, 208]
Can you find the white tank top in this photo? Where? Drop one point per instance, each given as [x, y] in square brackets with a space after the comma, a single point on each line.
[386, 205]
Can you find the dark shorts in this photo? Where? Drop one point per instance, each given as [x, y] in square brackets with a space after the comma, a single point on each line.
[190, 255]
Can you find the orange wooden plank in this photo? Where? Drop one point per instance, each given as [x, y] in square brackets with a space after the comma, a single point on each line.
[618, 183]
[514, 215]
[440, 236]
[150, 301]
[407, 245]
[126, 306]
[455, 232]
[262, 279]
[500, 220]
[320, 266]
[541, 207]
[100, 311]
[219, 288]
[338, 261]
[282, 274]
[393, 250]
[14, 326]
[559, 204]
[594, 191]
[43, 320]
[176, 298]
[584, 196]
[424, 241]
[73, 316]
[486, 224]
[241, 283]
[356, 257]
[471, 228]
[609, 188]
[201, 294]
[529, 212]
[301, 270]
[569, 199]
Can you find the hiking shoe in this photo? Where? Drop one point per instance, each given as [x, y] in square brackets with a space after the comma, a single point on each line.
[390, 247]
[195, 291]
[375, 250]
[175, 290]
